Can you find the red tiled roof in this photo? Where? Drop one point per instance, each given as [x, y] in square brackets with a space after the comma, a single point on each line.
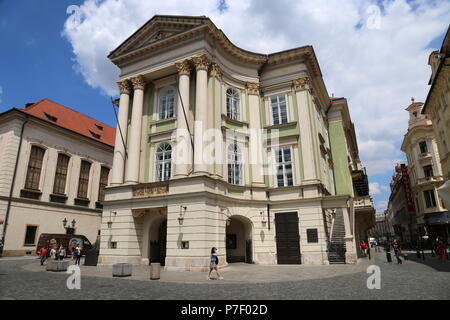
[72, 120]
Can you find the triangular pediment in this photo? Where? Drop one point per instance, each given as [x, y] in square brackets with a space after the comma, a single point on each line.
[159, 28]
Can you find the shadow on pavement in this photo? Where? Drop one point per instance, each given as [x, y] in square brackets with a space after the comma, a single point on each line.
[432, 262]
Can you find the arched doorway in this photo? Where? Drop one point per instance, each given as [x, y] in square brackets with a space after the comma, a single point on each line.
[239, 244]
[158, 241]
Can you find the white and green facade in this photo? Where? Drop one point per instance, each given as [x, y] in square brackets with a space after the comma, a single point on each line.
[220, 147]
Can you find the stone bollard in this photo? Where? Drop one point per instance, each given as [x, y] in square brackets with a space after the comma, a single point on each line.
[155, 271]
[122, 270]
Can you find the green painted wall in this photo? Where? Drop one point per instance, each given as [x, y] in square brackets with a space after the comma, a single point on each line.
[149, 115]
[342, 174]
[165, 126]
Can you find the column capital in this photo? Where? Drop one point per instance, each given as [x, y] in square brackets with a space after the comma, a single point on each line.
[253, 88]
[217, 71]
[138, 82]
[183, 67]
[201, 62]
[302, 84]
[124, 86]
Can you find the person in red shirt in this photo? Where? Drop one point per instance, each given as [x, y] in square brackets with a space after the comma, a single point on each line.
[363, 246]
[43, 255]
[440, 250]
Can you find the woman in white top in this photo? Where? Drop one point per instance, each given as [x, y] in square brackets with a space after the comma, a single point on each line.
[53, 253]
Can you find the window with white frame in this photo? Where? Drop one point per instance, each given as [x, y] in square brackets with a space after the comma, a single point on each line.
[166, 108]
[283, 160]
[234, 164]
[278, 106]
[163, 162]
[233, 104]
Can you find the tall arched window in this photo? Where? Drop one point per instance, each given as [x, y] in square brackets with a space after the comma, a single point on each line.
[234, 164]
[163, 162]
[166, 103]
[233, 104]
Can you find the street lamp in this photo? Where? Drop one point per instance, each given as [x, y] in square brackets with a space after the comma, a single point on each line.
[64, 223]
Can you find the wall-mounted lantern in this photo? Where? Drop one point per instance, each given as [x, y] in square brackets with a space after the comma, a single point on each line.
[263, 218]
[110, 220]
[182, 213]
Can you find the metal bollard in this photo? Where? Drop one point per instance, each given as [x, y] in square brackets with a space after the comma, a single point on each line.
[155, 270]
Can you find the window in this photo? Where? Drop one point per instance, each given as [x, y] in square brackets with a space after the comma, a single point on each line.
[428, 171]
[62, 165]
[234, 164]
[279, 109]
[83, 182]
[104, 173]
[30, 236]
[163, 162]
[284, 167]
[423, 147]
[34, 168]
[233, 104]
[167, 103]
[430, 200]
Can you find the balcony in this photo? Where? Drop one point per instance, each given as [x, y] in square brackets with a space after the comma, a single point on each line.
[429, 180]
[360, 183]
[425, 156]
[363, 202]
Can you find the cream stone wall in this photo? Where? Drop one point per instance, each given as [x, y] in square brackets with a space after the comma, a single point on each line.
[42, 213]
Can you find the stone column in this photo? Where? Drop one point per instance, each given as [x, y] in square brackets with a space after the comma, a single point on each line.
[134, 150]
[302, 88]
[350, 253]
[255, 142]
[183, 151]
[121, 134]
[201, 112]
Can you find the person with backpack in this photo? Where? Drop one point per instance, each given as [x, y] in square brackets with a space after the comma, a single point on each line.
[214, 263]
[77, 253]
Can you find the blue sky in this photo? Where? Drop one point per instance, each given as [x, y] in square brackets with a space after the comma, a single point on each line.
[377, 70]
[37, 61]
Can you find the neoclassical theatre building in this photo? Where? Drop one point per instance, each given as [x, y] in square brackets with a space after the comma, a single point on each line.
[221, 147]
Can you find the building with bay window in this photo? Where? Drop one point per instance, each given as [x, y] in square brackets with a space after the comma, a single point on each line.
[222, 147]
[425, 172]
[54, 167]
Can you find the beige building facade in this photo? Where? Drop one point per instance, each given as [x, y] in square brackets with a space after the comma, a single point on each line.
[54, 166]
[424, 168]
[437, 105]
[220, 147]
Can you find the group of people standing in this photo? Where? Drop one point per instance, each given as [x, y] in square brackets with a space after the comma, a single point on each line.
[56, 253]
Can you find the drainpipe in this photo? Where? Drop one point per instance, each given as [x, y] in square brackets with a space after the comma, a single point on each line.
[8, 208]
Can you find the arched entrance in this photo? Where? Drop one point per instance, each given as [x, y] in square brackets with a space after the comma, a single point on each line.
[239, 244]
[157, 241]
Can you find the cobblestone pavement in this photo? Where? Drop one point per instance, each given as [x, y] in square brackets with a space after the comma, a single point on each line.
[429, 279]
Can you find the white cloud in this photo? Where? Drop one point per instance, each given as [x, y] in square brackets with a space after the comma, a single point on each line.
[377, 188]
[381, 205]
[378, 70]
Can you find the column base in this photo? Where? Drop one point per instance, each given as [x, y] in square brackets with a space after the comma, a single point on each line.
[110, 260]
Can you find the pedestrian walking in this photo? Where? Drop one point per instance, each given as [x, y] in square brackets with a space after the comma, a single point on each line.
[397, 251]
[214, 264]
[363, 246]
[61, 252]
[43, 255]
[440, 250]
[77, 253]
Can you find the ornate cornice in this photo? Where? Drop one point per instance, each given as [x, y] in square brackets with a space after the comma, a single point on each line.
[201, 62]
[124, 86]
[138, 82]
[302, 84]
[183, 67]
[253, 88]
